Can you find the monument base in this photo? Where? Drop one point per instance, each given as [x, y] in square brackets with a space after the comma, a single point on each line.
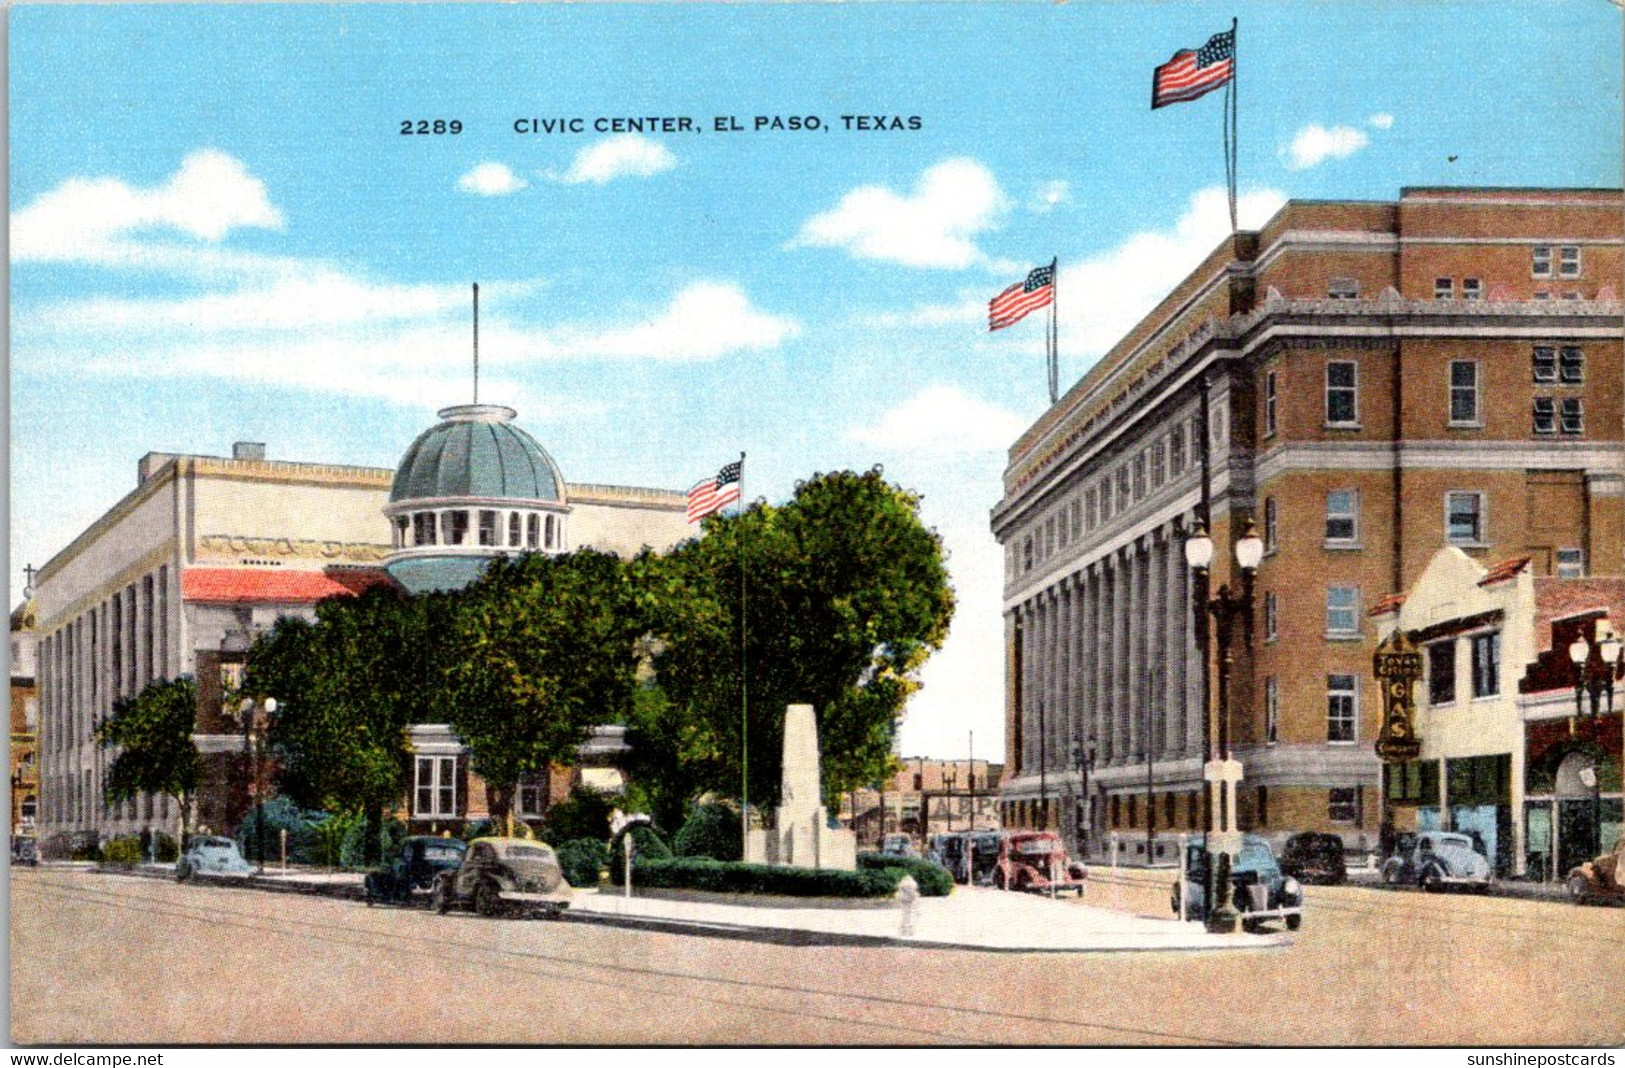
[808, 842]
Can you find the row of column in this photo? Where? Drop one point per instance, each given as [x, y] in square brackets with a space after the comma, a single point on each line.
[109, 651]
[1109, 652]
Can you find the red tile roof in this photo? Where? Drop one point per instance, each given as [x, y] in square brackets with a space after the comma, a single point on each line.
[238, 585]
[1506, 569]
[1388, 604]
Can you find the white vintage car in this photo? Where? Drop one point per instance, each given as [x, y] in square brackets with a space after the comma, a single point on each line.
[1438, 860]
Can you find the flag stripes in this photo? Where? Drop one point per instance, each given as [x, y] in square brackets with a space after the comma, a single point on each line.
[1190, 74]
[712, 494]
[1016, 302]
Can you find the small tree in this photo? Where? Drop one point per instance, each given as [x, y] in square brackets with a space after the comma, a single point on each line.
[153, 733]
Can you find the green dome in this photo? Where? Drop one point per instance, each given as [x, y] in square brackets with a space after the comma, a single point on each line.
[476, 451]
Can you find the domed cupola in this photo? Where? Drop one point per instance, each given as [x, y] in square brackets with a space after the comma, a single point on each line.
[471, 488]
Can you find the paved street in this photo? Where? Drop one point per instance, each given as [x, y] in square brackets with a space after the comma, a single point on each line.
[101, 958]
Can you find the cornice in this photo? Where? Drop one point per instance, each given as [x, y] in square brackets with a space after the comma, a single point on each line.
[219, 548]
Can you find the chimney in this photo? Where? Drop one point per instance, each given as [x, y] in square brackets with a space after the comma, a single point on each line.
[248, 450]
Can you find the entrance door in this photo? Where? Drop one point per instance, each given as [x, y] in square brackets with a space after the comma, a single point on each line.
[1576, 833]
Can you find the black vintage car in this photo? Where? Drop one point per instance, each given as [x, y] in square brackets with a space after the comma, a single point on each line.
[420, 859]
[1315, 857]
[1260, 890]
[25, 851]
[504, 876]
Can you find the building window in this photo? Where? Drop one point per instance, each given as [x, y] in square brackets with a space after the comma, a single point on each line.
[1545, 415]
[1464, 517]
[1573, 416]
[1343, 804]
[436, 787]
[1442, 673]
[488, 527]
[1343, 516]
[533, 797]
[423, 528]
[1271, 524]
[1269, 404]
[1342, 697]
[1444, 289]
[513, 529]
[1568, 261]
[1272, 710]
[1571, 563]
[1342, 610]
[1341, 385]
[1464, 392]
[1090, 518]
[1176, 451]
[533, 531]
[1026, 554]
[1122, 489]
[456, 528]
[1077, 518]
[1105, 498]
[1343, 288]
[1487, 664]
[554, 532]
[402, 526]
[1272, 616]
[1545, 364]
[1541, 261]
[1571, 365]
[1049, 538]
[1140, 465]
[1159, 465]
[1472, 289]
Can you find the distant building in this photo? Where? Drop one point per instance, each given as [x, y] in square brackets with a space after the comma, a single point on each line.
[207, 552]
[1367, 382]
[24, 719]
[948, 791]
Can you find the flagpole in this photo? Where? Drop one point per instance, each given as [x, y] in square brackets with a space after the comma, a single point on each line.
[1054, 333]
[476, 342]
[744, 686]
[1231, 132]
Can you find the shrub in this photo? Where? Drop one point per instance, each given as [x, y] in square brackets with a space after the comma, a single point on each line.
[582, 859]
[352, 849]
[933, 879]
[168, 850]
[736, 877]
[584, 814]
[281, 814]
[126, 849]
[477, 829]
[84, 846]
[646, 845]
[710, 831]
[328, 837]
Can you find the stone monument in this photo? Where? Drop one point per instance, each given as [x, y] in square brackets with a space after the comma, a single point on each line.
[801, 835]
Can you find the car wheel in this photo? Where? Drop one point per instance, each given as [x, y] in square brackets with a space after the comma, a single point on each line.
[442, 896]
[1430, 880]
[999, 880]
[1390, 875]
[1579, 889]
[183, 871]
[487, 902]
[1294, 921]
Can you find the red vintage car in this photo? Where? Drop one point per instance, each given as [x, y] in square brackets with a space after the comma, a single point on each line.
[1036, 861]
[1601, 880]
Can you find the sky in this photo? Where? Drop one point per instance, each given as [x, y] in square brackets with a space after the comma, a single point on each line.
[218, 231]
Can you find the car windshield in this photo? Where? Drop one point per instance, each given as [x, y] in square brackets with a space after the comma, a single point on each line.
[1036, 847]
[1255, 856]
[442, 851]
[1453, 841]
[527, 852]
[213, 843]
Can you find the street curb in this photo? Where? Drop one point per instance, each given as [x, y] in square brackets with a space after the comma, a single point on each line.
[245, 882]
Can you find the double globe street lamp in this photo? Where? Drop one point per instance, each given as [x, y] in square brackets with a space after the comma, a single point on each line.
[1220, 769]
[1595, 664]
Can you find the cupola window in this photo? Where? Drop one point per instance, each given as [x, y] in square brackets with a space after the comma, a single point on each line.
[513, 529]
[423, 528]
[488, 527]
[533, 531]
[456, 528]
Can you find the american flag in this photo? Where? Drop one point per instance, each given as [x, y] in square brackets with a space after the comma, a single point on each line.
[1011, 306]
[1190, 74]
[713, 493]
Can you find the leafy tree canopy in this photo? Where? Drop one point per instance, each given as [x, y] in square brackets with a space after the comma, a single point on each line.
[153, 731]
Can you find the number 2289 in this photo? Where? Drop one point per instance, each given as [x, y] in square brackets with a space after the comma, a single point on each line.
[431, 126]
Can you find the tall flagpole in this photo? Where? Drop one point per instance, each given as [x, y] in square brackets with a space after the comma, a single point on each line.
[476, 342]
[744, 701]
[1230, 130]
[1054, 333]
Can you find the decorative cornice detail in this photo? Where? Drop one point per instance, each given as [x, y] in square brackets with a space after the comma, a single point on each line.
[236, 546]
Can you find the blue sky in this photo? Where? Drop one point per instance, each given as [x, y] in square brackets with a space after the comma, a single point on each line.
[218, 233]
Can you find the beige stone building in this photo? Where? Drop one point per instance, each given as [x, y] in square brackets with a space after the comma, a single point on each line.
[1368, 382]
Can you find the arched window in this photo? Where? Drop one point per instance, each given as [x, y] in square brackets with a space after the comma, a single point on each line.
[513, 529]
[533, 531]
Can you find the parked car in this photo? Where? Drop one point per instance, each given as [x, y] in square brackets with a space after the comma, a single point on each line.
[500, 875]
[898, 845]
[1600, 880]
[25, 851]
[413, 868]
[971, 857]
[1259, 890]
[1036, 861]
[1315, 857]
[1436, 860]
[208, 854]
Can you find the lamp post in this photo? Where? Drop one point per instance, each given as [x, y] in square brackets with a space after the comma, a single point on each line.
[1083, 758]
[1595, 663]
[1220, 769]
[253, 744]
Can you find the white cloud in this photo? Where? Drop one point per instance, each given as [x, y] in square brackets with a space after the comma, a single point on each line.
[1315, 144]
[973, 309]
[1101, 298]
[1383, 121]
[703, 322]
[943, 419]
[86, 219]
[491, 180]
[621, 156]
[1048, 195]
[934, 226]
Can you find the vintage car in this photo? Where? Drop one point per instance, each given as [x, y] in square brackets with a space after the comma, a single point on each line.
[1036, 861]
[1437, 860]
[1315, 857]
[971, 857]
[208, 854]
[1601, 880]
[25, 851]
[501, 875]
[1259, 890]
[413, 868]
[898, 845]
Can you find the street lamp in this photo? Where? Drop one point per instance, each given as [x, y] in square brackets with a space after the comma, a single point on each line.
[1594, 666]
[253, 744]
[1083, 757]
[1220, 769]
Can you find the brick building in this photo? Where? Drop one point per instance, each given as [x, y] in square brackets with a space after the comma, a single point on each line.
[24, 769]
[1369, 382]
[955, 795]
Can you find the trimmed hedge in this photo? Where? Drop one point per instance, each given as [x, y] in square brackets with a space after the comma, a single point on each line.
[710, 831]
[737, 877]
[933, 879]
[126, 849]
[646, 845]
[581, 860]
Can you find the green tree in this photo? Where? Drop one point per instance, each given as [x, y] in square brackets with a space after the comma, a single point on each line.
[541, 649]
[153, 733]
[348, 685]
[846, 596]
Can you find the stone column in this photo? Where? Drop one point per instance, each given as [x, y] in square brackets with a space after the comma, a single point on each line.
[1133, 647]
